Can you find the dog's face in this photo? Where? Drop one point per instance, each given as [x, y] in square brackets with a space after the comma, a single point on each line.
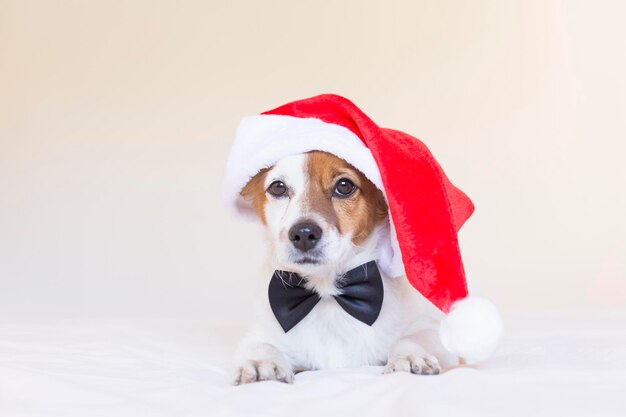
[317, 209]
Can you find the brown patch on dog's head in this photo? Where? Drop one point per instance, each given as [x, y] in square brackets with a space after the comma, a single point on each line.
[254, 193]
[358, 213]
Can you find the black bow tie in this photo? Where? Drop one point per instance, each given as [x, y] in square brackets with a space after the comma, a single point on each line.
[361, 295]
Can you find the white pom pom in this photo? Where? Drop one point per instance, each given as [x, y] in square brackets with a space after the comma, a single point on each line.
[471, 329]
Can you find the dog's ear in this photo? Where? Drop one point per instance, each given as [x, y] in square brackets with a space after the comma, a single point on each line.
[254, 193]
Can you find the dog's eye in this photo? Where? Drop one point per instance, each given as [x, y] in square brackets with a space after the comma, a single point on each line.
[277, 189]
[344, 188]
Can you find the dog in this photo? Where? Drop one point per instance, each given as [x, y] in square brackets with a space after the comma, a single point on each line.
[322, 218]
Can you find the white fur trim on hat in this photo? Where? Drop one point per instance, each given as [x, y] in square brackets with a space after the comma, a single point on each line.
[263, 140]
[471, 329]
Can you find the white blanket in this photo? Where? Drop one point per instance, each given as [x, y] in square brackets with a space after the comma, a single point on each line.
[546, 366]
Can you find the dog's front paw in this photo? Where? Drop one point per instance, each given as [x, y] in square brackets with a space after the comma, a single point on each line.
[416, 364]
[255, 371]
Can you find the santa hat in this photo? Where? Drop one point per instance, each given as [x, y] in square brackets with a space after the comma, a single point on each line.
[426, 210]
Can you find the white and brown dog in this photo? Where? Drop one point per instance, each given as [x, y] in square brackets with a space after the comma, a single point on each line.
[323, 218]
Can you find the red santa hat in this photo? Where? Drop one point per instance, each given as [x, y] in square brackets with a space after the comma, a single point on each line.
[426, 210]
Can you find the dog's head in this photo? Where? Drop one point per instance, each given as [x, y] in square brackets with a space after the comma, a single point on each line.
[318, 211]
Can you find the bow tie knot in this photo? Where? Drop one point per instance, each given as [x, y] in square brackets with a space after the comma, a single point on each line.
[361, 295]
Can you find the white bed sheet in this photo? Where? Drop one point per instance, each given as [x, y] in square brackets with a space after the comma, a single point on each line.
[546, 366]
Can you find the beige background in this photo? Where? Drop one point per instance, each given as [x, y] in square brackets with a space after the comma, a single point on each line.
[116, 118]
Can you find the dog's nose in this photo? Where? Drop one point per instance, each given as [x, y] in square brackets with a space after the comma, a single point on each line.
[305, 236]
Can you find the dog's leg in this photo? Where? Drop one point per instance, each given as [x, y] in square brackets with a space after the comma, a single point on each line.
[262, 362]
[418, 354]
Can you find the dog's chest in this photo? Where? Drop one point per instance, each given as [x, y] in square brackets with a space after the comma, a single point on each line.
[330, 338]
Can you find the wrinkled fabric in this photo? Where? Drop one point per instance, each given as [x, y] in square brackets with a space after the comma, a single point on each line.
[546, 366]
